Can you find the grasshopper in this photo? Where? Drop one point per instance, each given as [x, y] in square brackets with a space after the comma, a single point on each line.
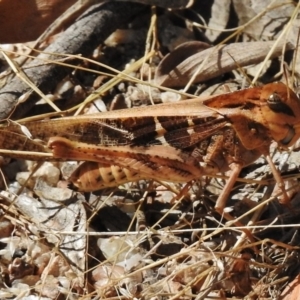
[177, 143]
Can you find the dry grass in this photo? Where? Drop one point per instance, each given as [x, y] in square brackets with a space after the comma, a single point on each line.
[147, 239]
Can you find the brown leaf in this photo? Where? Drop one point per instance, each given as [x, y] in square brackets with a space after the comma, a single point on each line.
[220, 14]
[177, 68]
[268, 24]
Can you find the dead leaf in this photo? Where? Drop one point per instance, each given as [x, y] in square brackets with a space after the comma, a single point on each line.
[270, 21]
[177, 68]
[220, 13]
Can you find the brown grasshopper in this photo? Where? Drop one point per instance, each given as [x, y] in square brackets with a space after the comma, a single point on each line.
[177, 143]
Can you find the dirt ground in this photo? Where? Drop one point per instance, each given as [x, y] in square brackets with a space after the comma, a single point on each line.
[191, 199]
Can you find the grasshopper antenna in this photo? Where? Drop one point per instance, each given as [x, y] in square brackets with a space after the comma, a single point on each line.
[287, 80]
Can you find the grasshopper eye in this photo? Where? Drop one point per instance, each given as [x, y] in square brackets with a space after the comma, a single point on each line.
[274, 99]
[276, 104]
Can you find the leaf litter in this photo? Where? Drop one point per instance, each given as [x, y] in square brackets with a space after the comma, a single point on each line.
[156, 240]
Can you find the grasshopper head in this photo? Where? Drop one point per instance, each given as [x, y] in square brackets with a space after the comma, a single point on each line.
[281, 113]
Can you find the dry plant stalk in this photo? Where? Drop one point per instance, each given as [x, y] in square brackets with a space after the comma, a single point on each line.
[177, 143]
